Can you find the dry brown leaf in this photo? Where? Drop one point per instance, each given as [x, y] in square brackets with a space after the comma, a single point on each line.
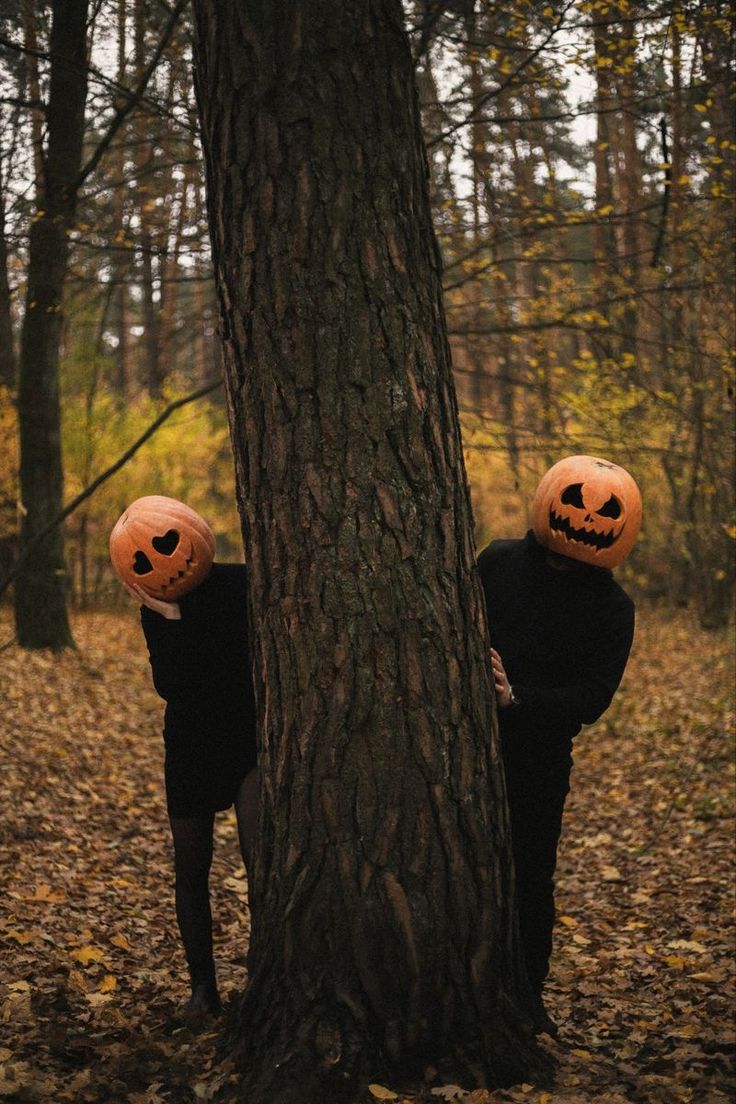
[382, 1093]
[88, 954]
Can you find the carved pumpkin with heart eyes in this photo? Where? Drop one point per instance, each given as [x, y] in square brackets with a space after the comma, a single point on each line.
[588, 509]
[162, 546]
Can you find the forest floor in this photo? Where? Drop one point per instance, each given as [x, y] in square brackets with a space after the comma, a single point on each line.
[92, 977]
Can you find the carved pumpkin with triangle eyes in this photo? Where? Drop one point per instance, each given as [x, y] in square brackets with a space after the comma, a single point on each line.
[162, 546]
[588, 509]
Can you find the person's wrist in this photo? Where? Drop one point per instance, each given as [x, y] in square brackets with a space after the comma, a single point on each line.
[513, 700]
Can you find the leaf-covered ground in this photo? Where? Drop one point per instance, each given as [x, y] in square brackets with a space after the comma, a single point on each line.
[92, 977]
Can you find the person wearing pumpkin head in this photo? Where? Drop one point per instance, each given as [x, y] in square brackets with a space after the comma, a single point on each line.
[561, 630]
[193, 615]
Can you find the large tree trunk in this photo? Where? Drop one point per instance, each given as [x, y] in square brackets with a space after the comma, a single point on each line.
[382, 928]
[40, 589]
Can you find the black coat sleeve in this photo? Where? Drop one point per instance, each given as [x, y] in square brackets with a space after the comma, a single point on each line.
[585, 698]
[167, 654]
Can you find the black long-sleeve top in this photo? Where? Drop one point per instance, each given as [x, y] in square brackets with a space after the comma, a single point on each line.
[564, 637]
[201, 664]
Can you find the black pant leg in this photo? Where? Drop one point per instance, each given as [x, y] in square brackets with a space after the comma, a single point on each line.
[537, 782]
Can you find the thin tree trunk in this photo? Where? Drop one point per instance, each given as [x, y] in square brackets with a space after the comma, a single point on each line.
[170, 285]
[169, 236]
[479, 166]
[8, 365]
[630, 189]
[151, 319]
[382, 903]
[604, 245]
[120, 262]
[34, 91]
[40, 591]
[151, 340]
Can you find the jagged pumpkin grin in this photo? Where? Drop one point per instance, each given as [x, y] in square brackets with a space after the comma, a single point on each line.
[591, 537]
[185, 572]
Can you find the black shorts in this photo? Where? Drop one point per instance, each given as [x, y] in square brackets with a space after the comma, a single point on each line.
[204, 771]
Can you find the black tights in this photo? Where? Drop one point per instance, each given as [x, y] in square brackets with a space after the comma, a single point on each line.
[192, 838]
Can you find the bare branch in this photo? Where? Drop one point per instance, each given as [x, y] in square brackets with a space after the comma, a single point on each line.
[102, 478]
[136, 95]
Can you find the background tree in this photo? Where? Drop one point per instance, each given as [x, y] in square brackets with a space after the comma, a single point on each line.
[382, 932]
[65, 143]
[40, 599]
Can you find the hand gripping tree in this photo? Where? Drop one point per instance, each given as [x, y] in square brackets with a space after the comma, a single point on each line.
[382, 913]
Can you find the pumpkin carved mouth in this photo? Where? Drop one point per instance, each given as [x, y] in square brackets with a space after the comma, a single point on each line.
[596, 540]
[185, 571]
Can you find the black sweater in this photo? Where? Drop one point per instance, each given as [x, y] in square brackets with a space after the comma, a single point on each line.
[564, 638]
[201, 664]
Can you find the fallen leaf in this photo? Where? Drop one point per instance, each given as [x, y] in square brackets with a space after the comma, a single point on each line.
[381, 1093]
[44, 892]
[686, 1031]
[21, 937]
[107, 984]
[88, 954]
[150, 1096]
[97, 999]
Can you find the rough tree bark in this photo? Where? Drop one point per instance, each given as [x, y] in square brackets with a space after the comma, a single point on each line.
[382, 929]
[40, 589]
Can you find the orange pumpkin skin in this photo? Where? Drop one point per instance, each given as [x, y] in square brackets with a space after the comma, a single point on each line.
[162, 546]
[587, 509]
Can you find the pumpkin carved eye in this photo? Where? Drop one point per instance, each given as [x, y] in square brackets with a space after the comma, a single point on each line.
[573, 496]
[611, 509]
[141, 564]
[167, 544]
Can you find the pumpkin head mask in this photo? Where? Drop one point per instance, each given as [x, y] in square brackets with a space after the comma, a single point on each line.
[162, 546]
[588, 509]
